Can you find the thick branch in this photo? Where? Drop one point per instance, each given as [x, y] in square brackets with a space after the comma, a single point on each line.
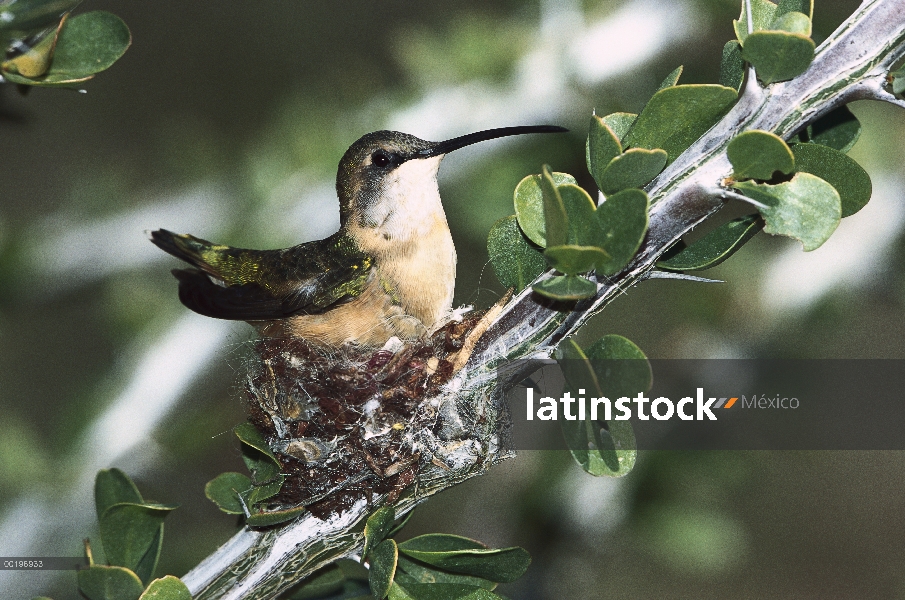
[852, 64]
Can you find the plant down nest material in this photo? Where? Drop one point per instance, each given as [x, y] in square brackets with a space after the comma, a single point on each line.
[353, 423]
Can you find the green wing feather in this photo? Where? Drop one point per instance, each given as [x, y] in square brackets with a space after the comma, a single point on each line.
[242, 284]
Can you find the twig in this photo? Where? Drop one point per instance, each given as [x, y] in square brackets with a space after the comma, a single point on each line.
[853, 63]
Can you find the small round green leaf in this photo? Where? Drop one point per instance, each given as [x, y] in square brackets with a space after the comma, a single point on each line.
[109, 583]
[716, 246]
[257, 455]
[273, 517]
[583, 230]
[383, 567]
[566, 288]
[763, 12]
[423, 573]
[677, 116]
[633, 169]
[515, 260]
[806, 208]
[89, 43]
[249, 435]
[732, 65]
[131, 535]
[377, 526]
[167, 588]
[838, 129]
[573, 260]
[806, 7]
[227, 491]
[498, 565]
[758, 154]
[602, 147]
[620, 123]
[112, 486]
[529, 205]
[556, 219]
[264, 491]
[623, 221]
[839, 170]
[793, 22]
[671, 79]
[778, 55]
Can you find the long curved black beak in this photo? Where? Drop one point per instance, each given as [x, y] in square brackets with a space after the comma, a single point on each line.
[482, 136]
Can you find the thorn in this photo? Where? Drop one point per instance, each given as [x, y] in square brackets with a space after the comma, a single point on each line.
[682, 276]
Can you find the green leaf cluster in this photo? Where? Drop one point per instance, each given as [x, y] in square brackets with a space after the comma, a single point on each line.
[429, 567]
[46, 47]
[131, 534]
[579, 236]
[238, 494]
[615, 169]
[555, 218]
[825, 186]
[612, 367]
[556, 223]
[624, 153]
[779, 46]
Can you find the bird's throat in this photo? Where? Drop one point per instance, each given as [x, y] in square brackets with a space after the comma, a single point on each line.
[409, 238]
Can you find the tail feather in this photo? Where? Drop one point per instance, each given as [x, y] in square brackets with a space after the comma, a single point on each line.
[183, 246]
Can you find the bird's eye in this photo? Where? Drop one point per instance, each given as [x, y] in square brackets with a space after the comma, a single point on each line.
[380, 159]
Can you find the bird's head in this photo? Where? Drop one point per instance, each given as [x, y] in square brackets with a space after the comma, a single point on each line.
[383, 164]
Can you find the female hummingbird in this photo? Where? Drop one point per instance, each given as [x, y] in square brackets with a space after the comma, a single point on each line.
[389, 270]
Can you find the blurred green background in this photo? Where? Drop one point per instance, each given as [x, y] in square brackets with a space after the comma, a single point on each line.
[228, 121]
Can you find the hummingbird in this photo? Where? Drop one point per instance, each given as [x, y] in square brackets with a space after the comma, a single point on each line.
[389, 271]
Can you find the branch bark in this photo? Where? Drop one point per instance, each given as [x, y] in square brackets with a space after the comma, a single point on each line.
[852, 64]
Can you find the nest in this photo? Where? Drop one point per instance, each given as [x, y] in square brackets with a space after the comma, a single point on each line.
[347, 424]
